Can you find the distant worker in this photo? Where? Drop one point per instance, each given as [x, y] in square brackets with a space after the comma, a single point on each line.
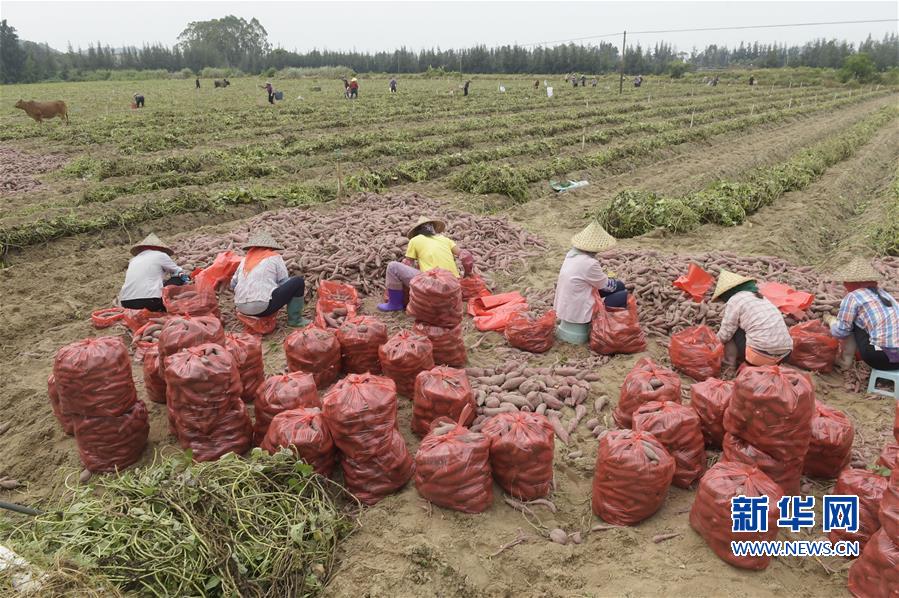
[346, 87]
[393, 85]
[574, 80]
[751, 81]
[593, 82]
[138, 100]
[270, 90]
[197, 82]
[536, 83]
[149, 270]
[465, 88]
[638, 80]
[583, 80]
[354, 88]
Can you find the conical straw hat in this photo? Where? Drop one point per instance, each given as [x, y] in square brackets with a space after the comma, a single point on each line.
[262, 239]
[593, 239]
[151, 241]
[858, 270]
[728, 280]
[439, 225]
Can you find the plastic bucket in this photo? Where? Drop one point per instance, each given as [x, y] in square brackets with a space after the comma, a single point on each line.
[575, 334]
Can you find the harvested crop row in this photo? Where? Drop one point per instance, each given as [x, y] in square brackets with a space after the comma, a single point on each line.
[17, 169]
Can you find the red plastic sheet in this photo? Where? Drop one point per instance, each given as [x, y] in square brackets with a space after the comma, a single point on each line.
[335, 295]
[633, 473]
[869, 486]
[218, 273]
[260, 326]
[786, 472]
[813, 347]
[616, 330]
[435, 297]
[93, 378]
[111, 443]
[678, 428]
[697, 352]
[889, 456]
[787, 299]
[875, 574]
[316, 351]
[441, 391]
[889, 508]
[711, 512]
[64, 420]
[360, 339]
[282, 393]
[473, 286]
[646, 382]
[521, 453]
[183, 332]
[106, 317]
[403, 356]
[710, 399]
[190, 300]
[246, 349]
[831, 444]
[696, 282]
[527, 333]
[306, 433]
[492, 312]
[153, 380]
[448, 344]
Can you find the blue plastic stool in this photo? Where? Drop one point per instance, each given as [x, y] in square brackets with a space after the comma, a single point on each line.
[883, 375]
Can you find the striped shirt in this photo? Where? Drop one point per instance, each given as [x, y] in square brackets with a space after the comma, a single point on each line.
[580, 274]
[253, 291]
[760, 319]
[862, 307]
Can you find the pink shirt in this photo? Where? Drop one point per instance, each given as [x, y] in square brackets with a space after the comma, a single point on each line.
[580, 274]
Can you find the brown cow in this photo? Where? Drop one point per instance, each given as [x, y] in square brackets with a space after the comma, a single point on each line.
[41, 110]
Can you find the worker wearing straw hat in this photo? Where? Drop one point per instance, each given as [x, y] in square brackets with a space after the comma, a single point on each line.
[580, 275]
[354, 88]
[262, 284]
[149, 270]
[752, 328]
[868, 319]
[427, 249]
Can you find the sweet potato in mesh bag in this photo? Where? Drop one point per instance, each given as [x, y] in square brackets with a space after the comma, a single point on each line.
[110, 443]
[403, 356]
[305, 432]
[435, 297]
[711, 512]
[448, 345]
[529, 333]
[869, 486]
[710, 399]
[473, 286]
[646, 382]
[93, 378]
[53, 394]
[889, 456]
[697, 352]
[282, 393]
[246, 349]
[521, 453]
[360, 338]
[440, 391]
[632, 476]
[786, 472]
[889, 508]
[190, 300]
[830, 448]
[875, 574]
[182, 332]
[678, 428]
[153, 380]
[232, 433]
[616, 329]
[316, 351]
[813, 346]
[334, 295]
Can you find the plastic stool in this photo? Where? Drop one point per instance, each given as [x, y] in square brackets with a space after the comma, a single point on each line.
[576, 334]
[883, 375]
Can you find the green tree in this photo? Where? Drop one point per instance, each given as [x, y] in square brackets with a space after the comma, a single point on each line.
[227, 42]
[858, 67]
[677, 69]
[12, 56]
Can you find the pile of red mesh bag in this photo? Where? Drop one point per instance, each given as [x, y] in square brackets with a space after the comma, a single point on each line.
[441, 391]
[473, 286]
[616, 329]
[889, 508]
[190, 300]
[452, 467]
[633, 473]
[333, 295]
[521, 453]
[360, 338]
[710, 399]
[889, 456]
[435, 298]
[447, 344]
[184, 332]
[813, 347]
[315, 351]
[869, 486]
[830, 448]
[875, 574]
[403, 356]
[711, 512]
[153, 380]
[678, 428]
[360, 412]
[64, 420]
[697, 352]
[203, 391]
[246, 349]
[646, 382]
[306, 433]
[282, 393]
[536, 335]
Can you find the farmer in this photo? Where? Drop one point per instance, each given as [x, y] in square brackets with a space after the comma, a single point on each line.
[752, 328]
[262, 284]
[536, 83]
[138, 100]
[431, 250]
[580, 275]
[868, 319]
[149, 270]
[465, 88]
[583, 80]
[638, 80]
[354, 88]
[346, 87]
[751, 80]
[270, 90]
[593, 82]
[393, 85]
[197, 82]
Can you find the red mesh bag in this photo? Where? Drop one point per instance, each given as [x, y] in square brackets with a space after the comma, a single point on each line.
[889, 508]
[360, 411]
[633, 473]
[259, 326]
[233, 434]
[403, 357]
[440, 391]
[246, 349]
[813, 347]
[93, 377]
[110, 443]
[786, 472]
[335, 295]
[473, 286]
[315, 351]
[282, 393]
[135, 319]
[527, 333]
[184, 332]
[447, 343]
[889, 456]
[305, 432]
[896, 424]
[190, 300]
[106, 317]
[64, 420]
[678, 428]
[875, 574]
[153, 380]
[710, 399]
[218, 272]
[147, 335]
[521, 453]
[435, 297]
[831, 443]
[646, 382]
[452, 468]
[772, 410]
[697, 352]
[360, 338]
[616, 329]
[869, 487]
[711, 512]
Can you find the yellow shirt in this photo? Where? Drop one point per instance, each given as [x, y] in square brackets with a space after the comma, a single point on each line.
[432, 252]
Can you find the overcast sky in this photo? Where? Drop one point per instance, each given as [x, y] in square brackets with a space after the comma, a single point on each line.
[387, 25]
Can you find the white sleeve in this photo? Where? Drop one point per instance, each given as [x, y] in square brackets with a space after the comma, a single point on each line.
[168, 264]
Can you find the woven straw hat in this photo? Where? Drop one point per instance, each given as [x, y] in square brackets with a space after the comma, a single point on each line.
[261, 239]
[858, 270]
[151, 241]
[439, 225]
[728, 280]
[592, 239]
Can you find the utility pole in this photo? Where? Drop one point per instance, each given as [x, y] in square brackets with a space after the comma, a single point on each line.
[621, 78]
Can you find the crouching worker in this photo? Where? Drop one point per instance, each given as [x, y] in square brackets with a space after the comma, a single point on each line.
[149, 270]
[752, 328]
[427, 249]
[262, 284]
[581, 274]
[868, 319]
